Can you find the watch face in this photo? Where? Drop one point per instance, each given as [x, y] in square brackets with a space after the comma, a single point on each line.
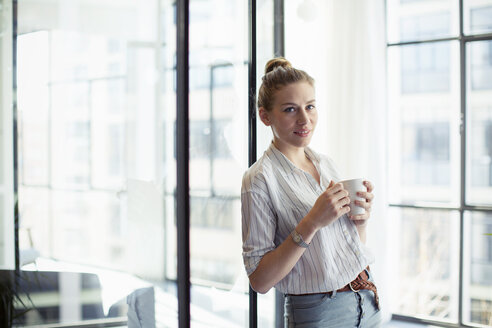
[297, 238]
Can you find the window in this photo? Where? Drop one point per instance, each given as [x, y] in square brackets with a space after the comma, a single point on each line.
[440, 159]
[7, 201]
[424, 26]
[426, 68]
[481, 65]
[427, 161]
[480, 19]
[207, 139]
[97, 110]
[417, 20]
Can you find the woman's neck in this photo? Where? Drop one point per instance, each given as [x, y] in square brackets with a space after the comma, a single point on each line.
[295, 154]
[299, 158]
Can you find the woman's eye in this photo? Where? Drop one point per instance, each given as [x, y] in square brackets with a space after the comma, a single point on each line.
[310, 107]
[289, 109]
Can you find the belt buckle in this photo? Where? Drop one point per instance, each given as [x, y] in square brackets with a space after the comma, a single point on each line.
[352, 288]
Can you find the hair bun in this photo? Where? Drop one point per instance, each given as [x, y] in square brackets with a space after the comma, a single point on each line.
[277, 62]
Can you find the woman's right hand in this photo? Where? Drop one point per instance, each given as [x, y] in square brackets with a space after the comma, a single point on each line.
[330, 205]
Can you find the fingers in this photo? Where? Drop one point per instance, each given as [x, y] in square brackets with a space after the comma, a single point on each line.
[369, 186]
[361, 217]
[344, 210]
[338, 198]
[360, 222]
[343, 207]
[366, 195]
[366, 205]
[334, 188]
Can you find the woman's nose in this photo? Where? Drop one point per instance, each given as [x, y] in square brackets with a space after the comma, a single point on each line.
[303, 117]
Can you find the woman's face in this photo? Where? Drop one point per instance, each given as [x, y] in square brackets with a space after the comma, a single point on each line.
[293, 116]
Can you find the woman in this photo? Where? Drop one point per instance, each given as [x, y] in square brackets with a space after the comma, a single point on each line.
[297, 234]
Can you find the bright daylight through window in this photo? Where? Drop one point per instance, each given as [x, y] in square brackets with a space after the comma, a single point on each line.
[440, 106]
[96, 117]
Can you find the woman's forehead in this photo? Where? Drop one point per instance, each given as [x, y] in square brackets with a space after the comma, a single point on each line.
[294, 92]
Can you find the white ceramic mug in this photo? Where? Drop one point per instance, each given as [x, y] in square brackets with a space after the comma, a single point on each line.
[353, 186]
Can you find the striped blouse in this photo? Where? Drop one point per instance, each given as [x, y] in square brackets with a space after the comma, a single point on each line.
[275, 196]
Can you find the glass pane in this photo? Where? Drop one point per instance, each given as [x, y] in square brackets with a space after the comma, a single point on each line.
[427, 263]
[423, 99]
[413, 20]
[33, 106]
[7, 253]
[477, 15]
[265, 52]
[268, 308]
[218, 159]
[70, 133]
[108, 127]
[479, 129]
[477, 303]
[94, 107]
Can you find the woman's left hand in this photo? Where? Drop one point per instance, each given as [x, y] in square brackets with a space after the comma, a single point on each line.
[368, 196]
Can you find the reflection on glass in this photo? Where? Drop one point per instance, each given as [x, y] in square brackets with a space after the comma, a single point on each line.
[97, 109]
[424, 111]
[477, 16]
[413, 20]
[479, 155]
[268, 305]
[91, 100]
[428, 262]
[108, 127]
[478, 286]
[218, 158]
[70, 131]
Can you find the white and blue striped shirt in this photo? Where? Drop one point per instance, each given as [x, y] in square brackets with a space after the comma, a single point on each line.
[275, 196]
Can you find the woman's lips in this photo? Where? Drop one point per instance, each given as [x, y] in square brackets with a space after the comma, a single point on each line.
[302, 133]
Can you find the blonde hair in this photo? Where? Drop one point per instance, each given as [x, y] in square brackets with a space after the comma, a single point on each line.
[279, 73]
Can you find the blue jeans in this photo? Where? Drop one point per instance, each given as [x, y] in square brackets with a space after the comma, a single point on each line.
[342, 309]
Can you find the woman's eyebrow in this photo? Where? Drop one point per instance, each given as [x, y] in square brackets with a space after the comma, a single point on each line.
[292, 103]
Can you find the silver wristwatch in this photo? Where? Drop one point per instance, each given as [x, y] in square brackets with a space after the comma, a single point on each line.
[297, 238]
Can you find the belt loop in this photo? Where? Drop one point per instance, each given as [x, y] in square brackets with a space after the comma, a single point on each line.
[333, 294]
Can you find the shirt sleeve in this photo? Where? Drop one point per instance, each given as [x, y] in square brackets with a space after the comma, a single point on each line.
[258, 228]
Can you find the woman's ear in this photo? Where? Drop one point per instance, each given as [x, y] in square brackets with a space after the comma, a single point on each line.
[264, 117]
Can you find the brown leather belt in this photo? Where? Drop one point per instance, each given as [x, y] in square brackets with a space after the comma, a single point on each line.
[359, 283]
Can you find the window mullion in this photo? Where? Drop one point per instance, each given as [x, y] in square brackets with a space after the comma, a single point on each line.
[462, 158]
[253, 297]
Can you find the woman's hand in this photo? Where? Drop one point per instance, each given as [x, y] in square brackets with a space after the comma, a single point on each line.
[361, 220]
[330, 205]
